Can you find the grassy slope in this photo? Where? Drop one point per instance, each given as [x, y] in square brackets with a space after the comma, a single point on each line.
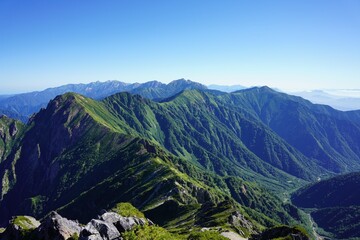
[200, 132]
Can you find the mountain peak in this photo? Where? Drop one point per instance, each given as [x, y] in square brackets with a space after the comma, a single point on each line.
[258, 89]
[65, 99]
[192, 95]
[152, 84]
[186, 83]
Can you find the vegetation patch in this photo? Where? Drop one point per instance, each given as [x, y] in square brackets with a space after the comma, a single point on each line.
[126, 209]
[150, 233]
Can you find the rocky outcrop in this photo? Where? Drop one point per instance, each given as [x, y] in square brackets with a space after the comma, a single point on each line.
[122, 223]
[238, 220]
[98, 230]
[55, 227]
[109, 226]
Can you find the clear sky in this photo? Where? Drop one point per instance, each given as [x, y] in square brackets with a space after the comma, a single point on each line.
[291, 45]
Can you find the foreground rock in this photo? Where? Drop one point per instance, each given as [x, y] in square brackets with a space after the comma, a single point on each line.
[109, 226]
[98, 230]
[240, 222]
[55, 227]
[122, 223]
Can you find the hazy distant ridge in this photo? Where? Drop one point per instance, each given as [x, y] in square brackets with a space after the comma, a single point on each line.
[22, 106]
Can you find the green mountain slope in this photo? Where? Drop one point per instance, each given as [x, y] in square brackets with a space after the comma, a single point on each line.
[193, 125]
[79, 155]
[338, 222]
[334, 192]
[334, 205]
[319, 132]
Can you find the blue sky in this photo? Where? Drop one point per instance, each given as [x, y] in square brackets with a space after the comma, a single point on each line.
[291, 45]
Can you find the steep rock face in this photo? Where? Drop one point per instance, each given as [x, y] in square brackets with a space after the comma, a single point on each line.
[238, 220]
[55, 227]
[10, 130]
[49, 134]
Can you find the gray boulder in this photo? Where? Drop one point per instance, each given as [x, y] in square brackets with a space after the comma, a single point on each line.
[99, 230]
[240, 222]
[55, 227]
[122, 223]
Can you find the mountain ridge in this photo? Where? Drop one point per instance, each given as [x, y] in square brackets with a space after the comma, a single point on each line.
[21, 106]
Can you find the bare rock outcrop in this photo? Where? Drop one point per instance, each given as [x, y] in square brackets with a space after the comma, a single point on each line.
[109, 226]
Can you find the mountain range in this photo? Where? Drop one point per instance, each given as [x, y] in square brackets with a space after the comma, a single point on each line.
[187, 156]
[22, 106]
[345, 100]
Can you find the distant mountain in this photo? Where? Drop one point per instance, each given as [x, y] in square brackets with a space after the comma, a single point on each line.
[13, 114]
[156, 90]
[226, 88]
[5, 96]
[334, 204]
[337, 99]
[328, 136]
[22, 106]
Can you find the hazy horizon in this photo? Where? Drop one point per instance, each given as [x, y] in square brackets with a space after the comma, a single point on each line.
[340, 92]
